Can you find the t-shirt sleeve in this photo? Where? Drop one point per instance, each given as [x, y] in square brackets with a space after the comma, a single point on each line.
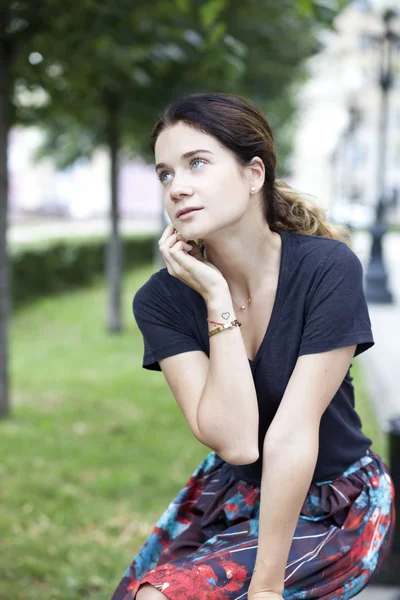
[337, 313]
[164, 323]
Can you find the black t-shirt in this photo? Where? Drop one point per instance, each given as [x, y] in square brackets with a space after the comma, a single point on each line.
[319, 306]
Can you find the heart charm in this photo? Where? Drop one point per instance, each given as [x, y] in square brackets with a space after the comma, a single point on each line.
[225, 315]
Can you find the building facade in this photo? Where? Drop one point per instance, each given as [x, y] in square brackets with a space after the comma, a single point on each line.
[336, 149]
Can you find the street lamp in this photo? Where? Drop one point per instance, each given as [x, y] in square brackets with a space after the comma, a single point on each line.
[376, 279]
[376, 290]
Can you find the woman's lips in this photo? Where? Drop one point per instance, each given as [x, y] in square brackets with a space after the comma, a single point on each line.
[187, 215]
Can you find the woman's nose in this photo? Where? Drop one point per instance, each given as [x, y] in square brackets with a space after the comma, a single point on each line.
[180, 187]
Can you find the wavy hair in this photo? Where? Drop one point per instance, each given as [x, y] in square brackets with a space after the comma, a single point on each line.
[241, 127]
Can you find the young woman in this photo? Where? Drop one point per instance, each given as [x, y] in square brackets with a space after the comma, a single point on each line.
[255, 326]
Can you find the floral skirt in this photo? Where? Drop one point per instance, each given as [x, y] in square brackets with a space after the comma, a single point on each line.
[204, 545]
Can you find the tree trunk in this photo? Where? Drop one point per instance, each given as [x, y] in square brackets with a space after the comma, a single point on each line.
[5, 60]
[114, 249]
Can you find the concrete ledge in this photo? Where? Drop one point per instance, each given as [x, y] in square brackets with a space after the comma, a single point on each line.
[375, 592]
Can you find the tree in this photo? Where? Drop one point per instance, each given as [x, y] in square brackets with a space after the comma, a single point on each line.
[4, 278]
[14, 32]
[99, 73]
[132, 61]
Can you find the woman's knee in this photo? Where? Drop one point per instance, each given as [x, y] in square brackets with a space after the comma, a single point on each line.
[149, 592]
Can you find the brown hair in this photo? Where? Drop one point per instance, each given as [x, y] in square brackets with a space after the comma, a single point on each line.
[240, 126]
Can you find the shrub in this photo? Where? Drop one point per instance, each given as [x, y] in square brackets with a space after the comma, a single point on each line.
[56, 266]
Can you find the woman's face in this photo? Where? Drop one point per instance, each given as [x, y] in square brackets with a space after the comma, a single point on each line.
[197, 171]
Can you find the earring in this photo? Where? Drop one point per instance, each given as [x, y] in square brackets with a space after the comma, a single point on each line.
[253, 189]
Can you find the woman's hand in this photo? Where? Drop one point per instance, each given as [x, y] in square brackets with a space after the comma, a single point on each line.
[185, 262]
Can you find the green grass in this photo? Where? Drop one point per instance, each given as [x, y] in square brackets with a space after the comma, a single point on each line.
[366, 411]
[95, 449]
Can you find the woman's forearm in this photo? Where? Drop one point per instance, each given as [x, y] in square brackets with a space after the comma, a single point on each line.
[288, 467]
[227, 414]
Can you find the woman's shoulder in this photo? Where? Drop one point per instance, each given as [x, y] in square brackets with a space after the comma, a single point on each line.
[316, 250]
[164, 288]
[314, 242]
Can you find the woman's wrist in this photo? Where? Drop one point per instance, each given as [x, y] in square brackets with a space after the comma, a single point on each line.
[218, 297]
[220, 308]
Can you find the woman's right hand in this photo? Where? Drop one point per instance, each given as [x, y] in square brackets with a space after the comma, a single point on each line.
[185, 262]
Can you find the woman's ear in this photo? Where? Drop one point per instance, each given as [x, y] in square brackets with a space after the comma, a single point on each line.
[256, 172]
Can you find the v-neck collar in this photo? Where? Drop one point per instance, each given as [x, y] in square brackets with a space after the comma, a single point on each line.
[278, 296]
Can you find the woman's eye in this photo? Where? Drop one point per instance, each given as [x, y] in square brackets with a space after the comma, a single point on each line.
[198, 160]
[161, 176]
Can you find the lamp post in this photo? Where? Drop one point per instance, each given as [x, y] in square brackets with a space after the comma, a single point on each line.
[376, 278]
[376, 290]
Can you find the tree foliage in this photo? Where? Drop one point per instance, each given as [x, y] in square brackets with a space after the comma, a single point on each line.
[99, 72]
[135, 57]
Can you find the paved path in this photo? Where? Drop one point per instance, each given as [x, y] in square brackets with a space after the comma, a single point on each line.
[382, 362]
[49, 229]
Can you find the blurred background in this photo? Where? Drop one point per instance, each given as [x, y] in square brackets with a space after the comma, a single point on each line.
[93, 447]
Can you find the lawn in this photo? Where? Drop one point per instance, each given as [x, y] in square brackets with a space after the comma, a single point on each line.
[94, 451]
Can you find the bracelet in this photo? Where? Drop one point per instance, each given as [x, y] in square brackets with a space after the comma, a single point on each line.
[215, 322]
[234, 323]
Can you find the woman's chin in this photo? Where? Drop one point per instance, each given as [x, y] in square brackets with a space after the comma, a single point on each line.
[188, 230]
